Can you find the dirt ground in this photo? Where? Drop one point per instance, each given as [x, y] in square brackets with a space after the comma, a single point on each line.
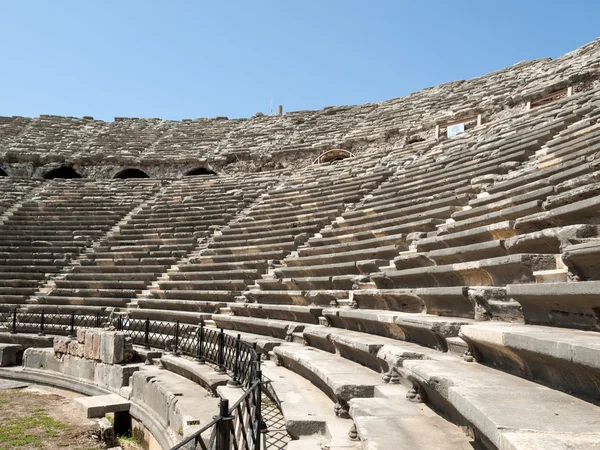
[40, 418]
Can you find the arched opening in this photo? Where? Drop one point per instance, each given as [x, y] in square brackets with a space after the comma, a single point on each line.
[3, 173]
[131, 173]
[62, 172]
[200, 171]
[332, 156]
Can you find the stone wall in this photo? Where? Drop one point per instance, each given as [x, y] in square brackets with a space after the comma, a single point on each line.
[169, 149]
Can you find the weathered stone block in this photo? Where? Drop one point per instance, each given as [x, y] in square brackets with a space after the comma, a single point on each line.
[92, 344]
[61, 345]
[112, 345]
[81, 335]
[8, 354]
[75, 348]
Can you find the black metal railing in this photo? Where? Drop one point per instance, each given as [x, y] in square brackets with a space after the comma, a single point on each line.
[48, 323]
[238, 427]
[228, 353]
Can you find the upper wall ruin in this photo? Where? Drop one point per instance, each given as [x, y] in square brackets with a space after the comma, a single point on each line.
[164, 148]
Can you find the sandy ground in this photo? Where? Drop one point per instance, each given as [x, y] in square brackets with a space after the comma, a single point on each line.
[39, 417]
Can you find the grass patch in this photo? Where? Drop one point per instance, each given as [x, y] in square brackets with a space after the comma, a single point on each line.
[30, 430]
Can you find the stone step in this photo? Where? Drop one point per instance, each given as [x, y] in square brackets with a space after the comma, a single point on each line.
[381, 421]
[102, 284]
[564, 359]
[195, 294]
[307, 412]
[195, 285]
[114, 277]
[258, 265]
[279, 329]
[398, 240]
[569, 305]
[424, 329]
[511, 213]
[501, 230]
[442, 213]
[235, 235]
[382, 354]
[340, 379]
[293, 313]
[506, 411]
[583, 260]
[486, 272]
[83, 301]
[215, 275]
[300, 298]
[384, 252]
[206, 306]
[188, 317]
[584, 211]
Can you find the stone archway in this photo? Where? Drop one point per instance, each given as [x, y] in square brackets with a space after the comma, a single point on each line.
[62, 172]
[131, 173]
[200, 171]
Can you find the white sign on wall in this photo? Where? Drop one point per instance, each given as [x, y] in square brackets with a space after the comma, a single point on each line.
[455, 129]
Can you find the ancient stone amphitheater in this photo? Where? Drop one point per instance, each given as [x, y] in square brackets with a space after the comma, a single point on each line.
[410, 290]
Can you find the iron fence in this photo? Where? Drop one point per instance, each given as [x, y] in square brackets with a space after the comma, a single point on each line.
[239, 427]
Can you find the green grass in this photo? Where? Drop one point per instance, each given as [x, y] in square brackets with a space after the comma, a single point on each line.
[18, 432]
[131, 439]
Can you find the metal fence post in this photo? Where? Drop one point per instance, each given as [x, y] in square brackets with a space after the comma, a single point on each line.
[259, 422]
[97, 322]
[14, 322]
[199, 354]
[176, 343]
[147, 334]
[234, 381]
[222, 440]
[72, 326]
[221, 356]
[41, 333]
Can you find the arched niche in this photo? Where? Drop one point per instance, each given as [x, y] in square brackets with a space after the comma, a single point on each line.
[200, 171]
[62, 172]
[131, 173]
[3, 173]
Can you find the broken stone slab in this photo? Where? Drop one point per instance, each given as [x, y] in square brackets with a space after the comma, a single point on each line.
[567, 304]
[100, 405]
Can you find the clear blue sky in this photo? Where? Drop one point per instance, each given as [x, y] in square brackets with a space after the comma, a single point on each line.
[188, 59]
